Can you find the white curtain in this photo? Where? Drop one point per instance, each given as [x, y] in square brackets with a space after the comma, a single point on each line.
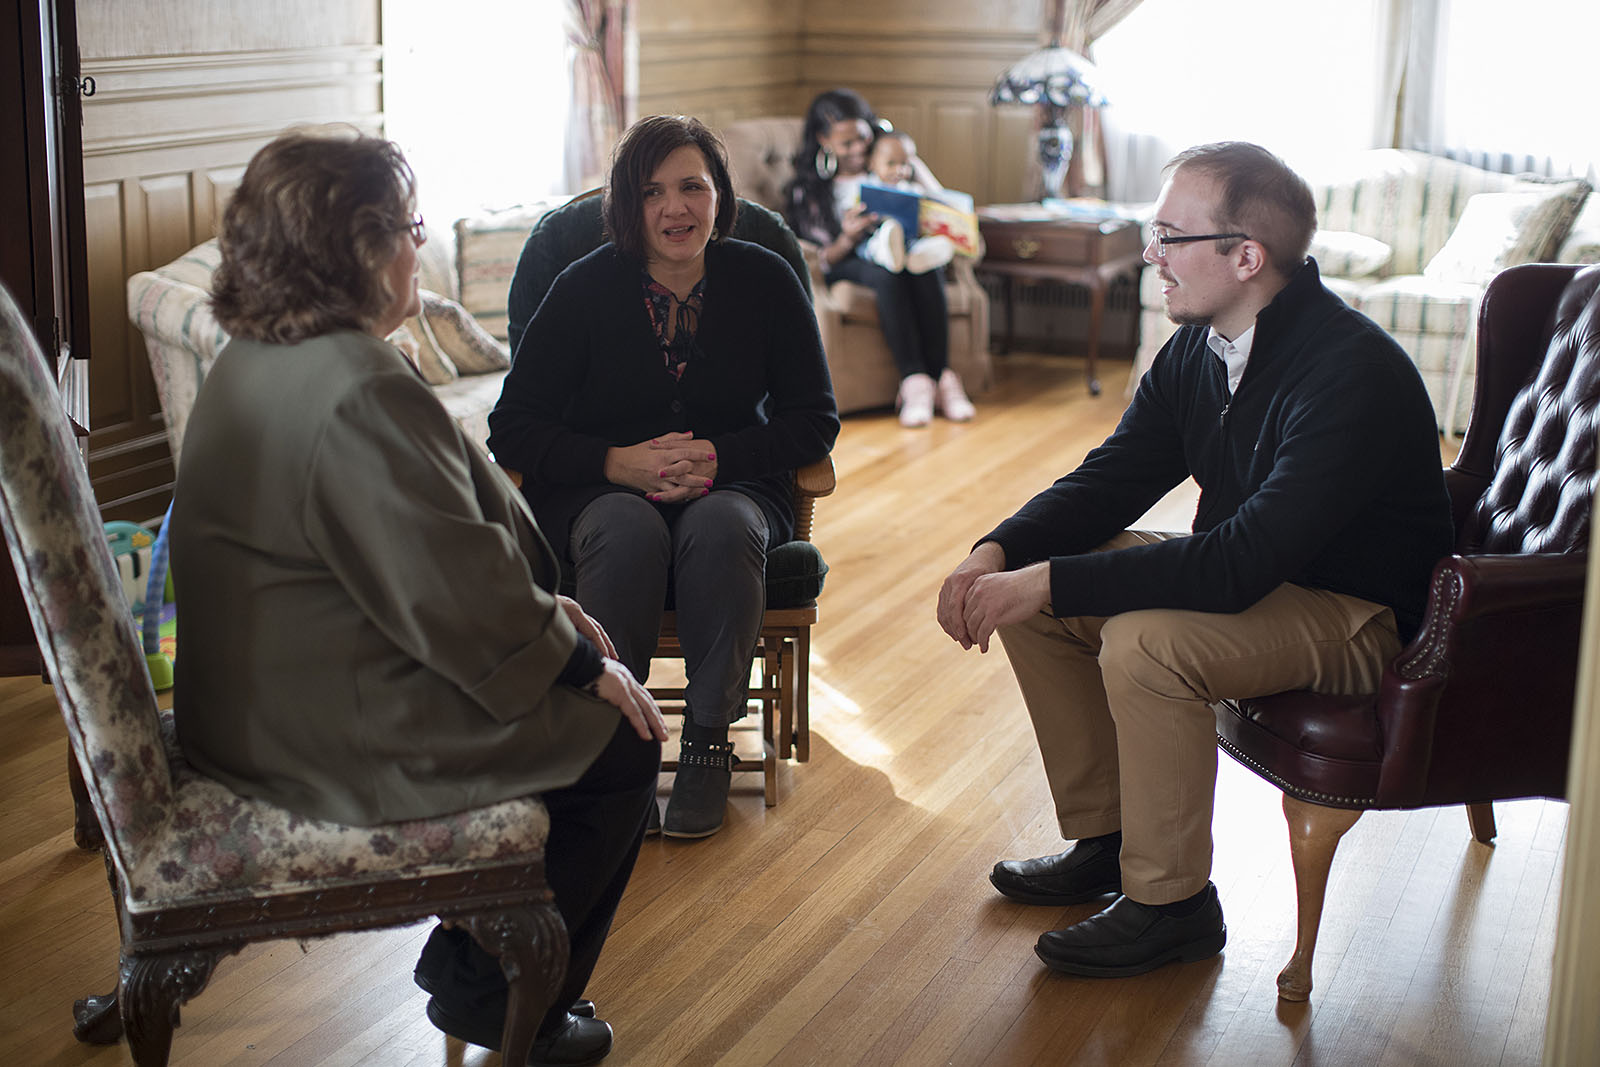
[476, 94]
[1515, 80]
[1300, 77]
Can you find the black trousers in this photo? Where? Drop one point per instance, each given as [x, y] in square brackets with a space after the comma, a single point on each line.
[596, 826]
[912, 310]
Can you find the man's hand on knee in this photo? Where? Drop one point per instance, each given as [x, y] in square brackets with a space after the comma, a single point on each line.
[987, 558]
[997, 600]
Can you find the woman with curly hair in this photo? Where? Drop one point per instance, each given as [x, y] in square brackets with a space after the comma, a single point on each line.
[371, 632]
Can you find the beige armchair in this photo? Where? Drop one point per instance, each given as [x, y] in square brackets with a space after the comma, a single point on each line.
[864, 375]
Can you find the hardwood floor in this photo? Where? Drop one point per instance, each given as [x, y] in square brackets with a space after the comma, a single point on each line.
[854, 923]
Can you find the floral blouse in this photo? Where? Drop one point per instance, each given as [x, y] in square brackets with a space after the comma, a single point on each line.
[684, 316]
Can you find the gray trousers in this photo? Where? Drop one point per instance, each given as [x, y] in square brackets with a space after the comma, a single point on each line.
[623, 548]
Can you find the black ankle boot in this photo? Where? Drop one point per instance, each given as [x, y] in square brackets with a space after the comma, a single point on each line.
[700, 794]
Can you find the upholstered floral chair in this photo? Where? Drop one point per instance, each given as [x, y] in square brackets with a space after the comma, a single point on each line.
[196, 871]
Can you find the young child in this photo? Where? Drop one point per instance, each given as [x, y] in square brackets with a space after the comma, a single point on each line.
[889, 161]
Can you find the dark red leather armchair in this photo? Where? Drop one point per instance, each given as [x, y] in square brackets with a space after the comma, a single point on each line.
[1479, 706]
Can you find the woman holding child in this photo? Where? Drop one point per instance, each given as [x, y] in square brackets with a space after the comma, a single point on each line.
[657, 405]
[825, 207]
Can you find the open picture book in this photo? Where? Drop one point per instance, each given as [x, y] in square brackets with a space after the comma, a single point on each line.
[945, 212]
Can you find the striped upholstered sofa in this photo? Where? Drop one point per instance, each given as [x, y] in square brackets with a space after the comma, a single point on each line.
[458, 342]
[1406, 238]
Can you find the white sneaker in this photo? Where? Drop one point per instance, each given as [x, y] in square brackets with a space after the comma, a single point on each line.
[952, 399]
[915, 400]
[929, 253]
[887, 246]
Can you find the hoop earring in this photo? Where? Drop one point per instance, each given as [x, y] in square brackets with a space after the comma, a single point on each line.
[716, 234]
[827, 165]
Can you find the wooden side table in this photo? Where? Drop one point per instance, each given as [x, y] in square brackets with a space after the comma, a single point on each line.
[1090, 254]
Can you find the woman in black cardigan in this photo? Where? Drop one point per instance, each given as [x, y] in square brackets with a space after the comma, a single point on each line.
[656, 406]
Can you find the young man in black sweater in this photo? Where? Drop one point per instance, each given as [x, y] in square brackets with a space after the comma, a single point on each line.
[1322, 514]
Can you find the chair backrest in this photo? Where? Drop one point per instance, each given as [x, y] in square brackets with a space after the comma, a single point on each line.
[761, 157]
[570, 232]
[86, 635]
[1543, 487]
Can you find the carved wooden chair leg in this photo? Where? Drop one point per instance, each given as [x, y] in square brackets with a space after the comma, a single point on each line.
[96, 1020]
[1481, 819]
[531, 945]
[85, 827]
[151, 990]
[1314, 834]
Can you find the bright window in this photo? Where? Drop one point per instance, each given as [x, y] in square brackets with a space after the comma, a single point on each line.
[1520, 82]
[1296, 76]
[476, 95]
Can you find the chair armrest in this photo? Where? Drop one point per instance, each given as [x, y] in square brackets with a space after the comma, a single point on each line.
[1499, 646]
[810, 482]
[815, 479]
[1493, 592]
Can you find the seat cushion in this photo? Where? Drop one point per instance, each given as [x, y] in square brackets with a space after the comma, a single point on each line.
[1319, 747]
[469, 399]
[218, 845]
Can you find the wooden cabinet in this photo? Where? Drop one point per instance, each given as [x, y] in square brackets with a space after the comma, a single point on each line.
[1090, 254]
[42, 259]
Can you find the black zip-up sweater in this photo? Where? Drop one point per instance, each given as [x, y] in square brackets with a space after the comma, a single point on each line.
[1322, 470]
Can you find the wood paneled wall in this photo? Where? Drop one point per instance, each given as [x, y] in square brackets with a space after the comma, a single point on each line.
[185, 92]
[926, 65]
[719, 61]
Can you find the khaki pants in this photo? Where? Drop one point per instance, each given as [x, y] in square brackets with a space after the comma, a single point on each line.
[1121, 708]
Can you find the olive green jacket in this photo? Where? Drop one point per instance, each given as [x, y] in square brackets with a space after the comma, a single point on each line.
[366, 617]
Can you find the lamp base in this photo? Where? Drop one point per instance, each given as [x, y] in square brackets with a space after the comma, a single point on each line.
[1055, 154]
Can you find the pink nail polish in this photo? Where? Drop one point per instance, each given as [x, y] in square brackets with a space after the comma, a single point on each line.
[705, 492]
[661, 474]
[708, 483]
[711, 455]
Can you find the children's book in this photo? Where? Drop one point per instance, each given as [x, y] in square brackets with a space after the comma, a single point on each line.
[946, 212]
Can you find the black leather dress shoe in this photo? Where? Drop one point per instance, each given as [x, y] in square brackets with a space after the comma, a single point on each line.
[1087, 869]
[1130, 938]
[583, 1008]
[575, 1042]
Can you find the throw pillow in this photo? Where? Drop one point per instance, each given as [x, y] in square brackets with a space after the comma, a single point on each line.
[1343, 254]
[1499, 230]
[411, 338]
[1582, 243]
[456, 334]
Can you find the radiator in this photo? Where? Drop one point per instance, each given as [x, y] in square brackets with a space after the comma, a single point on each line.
[1054, 317]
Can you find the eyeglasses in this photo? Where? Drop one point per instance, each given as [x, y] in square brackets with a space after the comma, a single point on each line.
[419, 232]
[1162, 240]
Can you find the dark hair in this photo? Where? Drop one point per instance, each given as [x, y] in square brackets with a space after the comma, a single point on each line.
[884, 136]
[809, 195]
[1261, 196]
[640, 152]
[306, 237]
